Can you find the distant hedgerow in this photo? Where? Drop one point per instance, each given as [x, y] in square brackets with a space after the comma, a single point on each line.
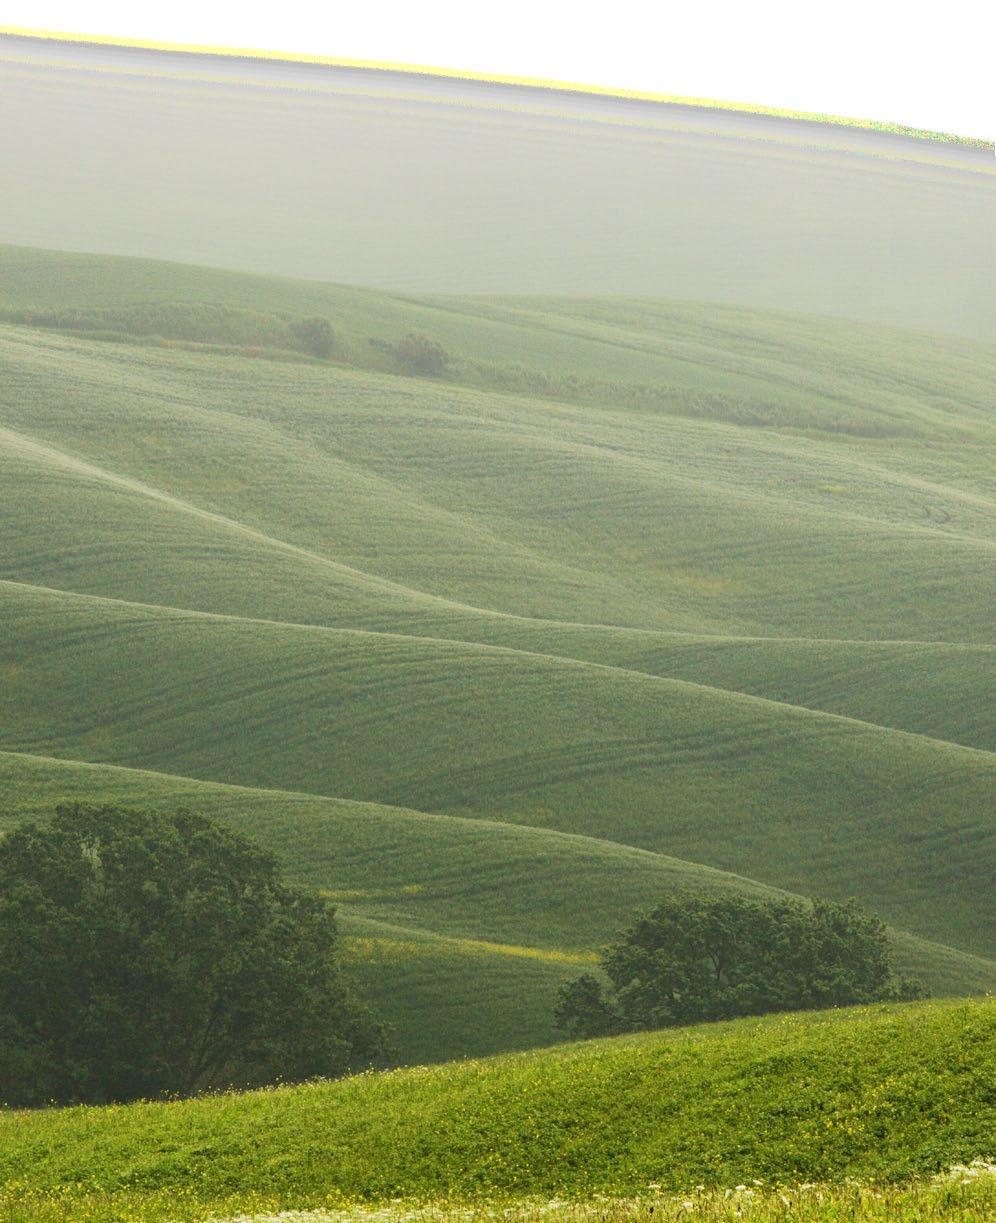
[314, 335]
[191, 323]
[417, 354]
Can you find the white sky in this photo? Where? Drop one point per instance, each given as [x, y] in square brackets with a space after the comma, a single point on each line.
[924, 64]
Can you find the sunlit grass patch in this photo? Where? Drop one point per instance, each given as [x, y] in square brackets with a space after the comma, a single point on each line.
[881, 1095]
[965, 1200]
[966, 1194]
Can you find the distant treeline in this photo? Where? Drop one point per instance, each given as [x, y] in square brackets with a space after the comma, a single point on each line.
[213, 326]
[745, 410]
[255, 333]
[192, 323]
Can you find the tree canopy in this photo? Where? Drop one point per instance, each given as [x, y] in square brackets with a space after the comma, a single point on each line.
[704, 957]
[315, 335]
[148, 954]
[421, 355]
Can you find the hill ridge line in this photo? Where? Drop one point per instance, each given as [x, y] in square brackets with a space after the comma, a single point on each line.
[568, 661]
[480, 301]
[678, 634]
[468, 822]
[516, 313]
[67, 459]
[527, 831]
[786, 434]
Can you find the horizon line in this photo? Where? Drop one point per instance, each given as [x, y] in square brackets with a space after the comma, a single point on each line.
[455, 74]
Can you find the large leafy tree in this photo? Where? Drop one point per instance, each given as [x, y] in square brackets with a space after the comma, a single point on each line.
[145, 954]
[705, 957]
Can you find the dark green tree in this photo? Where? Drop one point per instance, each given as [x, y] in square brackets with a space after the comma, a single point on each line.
[421, 355]
[315, 336]
[583, 1010]
[700, 957]
[145, 954]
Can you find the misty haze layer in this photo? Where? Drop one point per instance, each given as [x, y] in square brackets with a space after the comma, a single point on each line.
[436, 185]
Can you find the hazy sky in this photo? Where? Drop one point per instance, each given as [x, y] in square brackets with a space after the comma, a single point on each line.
[927, 65]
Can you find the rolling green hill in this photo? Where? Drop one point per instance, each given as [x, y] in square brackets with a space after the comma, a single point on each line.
[867, 491]
[459, 931]
[532, 739]
[887, 1093]
[632, 595]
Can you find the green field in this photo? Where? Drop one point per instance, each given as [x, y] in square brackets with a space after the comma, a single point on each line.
[634, 596]
[875, 1095]
[509, 506]
[459, 931]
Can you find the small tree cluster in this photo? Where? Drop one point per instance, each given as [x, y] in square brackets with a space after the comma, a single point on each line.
[420, 355]
[700, 957]
[193, 322]
[144, 955]
[315, 336]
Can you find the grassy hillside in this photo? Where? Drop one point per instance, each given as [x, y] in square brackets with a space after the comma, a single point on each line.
[458, 931]
[859, 509]
[757, 368]
[531, 739]
[887, 1093]
[631, 591]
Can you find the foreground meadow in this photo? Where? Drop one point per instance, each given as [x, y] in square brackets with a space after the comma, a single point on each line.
[877, 1101]
[963, 1194]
